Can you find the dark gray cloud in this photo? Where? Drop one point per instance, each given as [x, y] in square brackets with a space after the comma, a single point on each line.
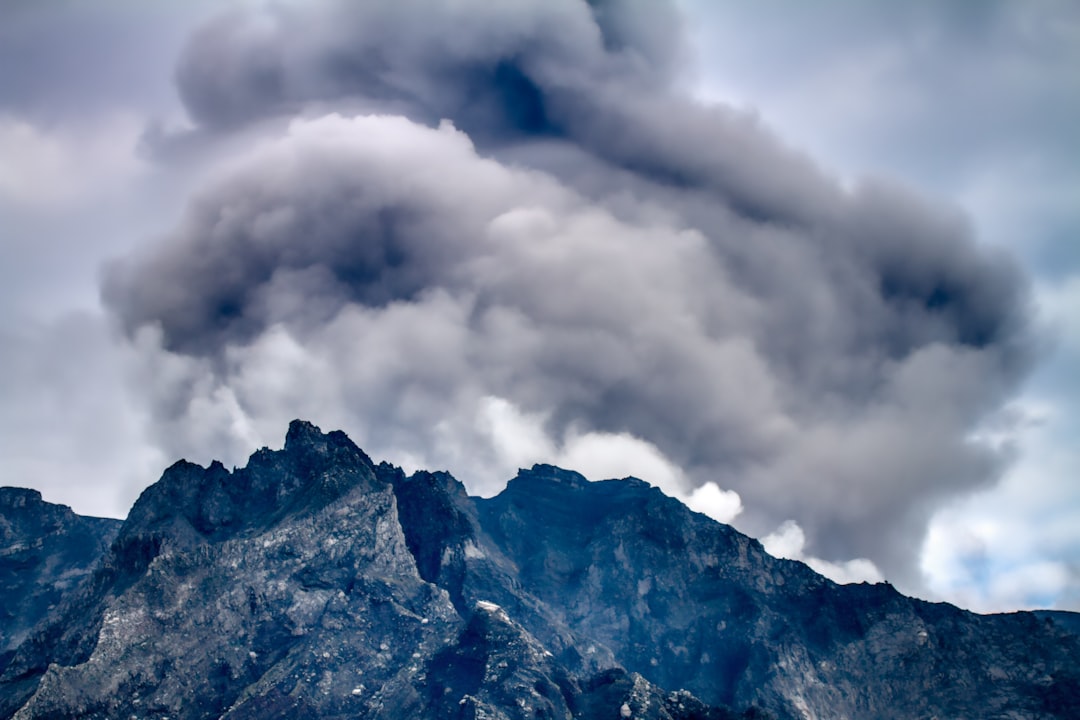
[970, 100]
[583, 242]
[598, 75]
[975, 102]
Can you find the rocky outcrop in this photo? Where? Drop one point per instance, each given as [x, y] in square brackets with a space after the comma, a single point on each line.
[690, 603]
[46, 551]
[316, 583]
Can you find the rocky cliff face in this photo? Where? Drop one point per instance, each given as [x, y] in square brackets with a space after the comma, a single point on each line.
[315, 583]
[694, 604]
[46, 550]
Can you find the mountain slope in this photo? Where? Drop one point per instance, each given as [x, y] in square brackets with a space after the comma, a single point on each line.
[694, 604]
[314, 582]
[45, 551]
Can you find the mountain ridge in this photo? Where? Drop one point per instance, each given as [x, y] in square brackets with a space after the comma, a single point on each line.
[313, 580]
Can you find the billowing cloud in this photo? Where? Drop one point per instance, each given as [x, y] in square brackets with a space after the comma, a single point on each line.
[789, 541]
[822, 353]
[644, 282]
[976, 102]
[470, 248]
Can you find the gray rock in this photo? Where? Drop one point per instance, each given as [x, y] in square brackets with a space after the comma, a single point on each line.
[46, 551]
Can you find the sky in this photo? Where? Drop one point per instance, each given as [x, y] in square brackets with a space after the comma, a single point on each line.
[812, 269]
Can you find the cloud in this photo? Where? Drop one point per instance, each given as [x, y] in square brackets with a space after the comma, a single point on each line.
[429, 278]
[63, 62]
[1059, 304]
[789, 541]
[523, 238]
[797, 364]
[62, 428]
[975, 102]
[51, 168]
[719, 504]
[598, 74]
[385, 276]
[519, 440]
[1014, 545]
[962, 83]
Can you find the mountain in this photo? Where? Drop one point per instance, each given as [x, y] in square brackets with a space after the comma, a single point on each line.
[46, 550]
[314, 582]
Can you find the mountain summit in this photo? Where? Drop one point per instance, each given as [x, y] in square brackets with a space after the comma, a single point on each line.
[314, 582]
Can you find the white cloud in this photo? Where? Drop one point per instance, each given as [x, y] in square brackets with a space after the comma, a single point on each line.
[616, 455]
[50, 167]
[721, 505]
[1059, 303]
[789, 541]
[1014, 546]
[519, 439]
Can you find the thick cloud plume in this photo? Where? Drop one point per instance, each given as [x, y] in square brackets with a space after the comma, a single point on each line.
[526, 213]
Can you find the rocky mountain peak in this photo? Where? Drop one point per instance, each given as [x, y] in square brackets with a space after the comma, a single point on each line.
[550, 481]
[549, 473]
[13, 498]
[313, 470]
[46, 551]
[312, 582]
[307, 441]
[23, 512]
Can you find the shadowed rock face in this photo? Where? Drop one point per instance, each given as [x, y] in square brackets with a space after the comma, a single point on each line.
[46, 550]
[690, 603]
[315, 583]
